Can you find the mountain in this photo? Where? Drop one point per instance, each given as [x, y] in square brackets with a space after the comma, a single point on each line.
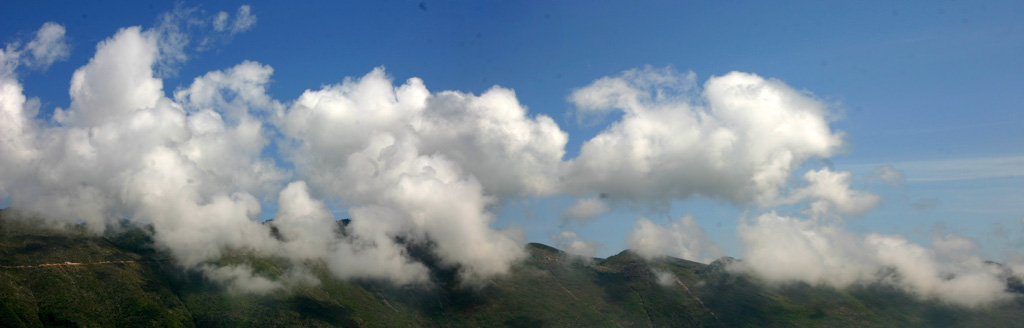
[70, 277]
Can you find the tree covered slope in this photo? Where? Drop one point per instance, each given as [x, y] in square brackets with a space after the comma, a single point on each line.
[69, 277]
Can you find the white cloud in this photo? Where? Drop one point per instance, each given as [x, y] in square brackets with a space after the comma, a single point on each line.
[664, 278]
[124, 149]
[426, 169]
[240, 279]
[49, 46]
[829, 192]
[953, 246]
[244, 20]
[17, 129]
[310, 231]
[585, 209]
[185, 31]
[571, 243]
[173, 34]
[493, 138]
[780, 248]
[241, 88]
[631, 90]
[784, 249]
[10, 59]
[682, 238]
[489, 136]
[738, 139]
[425, 165]
[117, 81]
[220, 22]
[306, 225]
[406, 162]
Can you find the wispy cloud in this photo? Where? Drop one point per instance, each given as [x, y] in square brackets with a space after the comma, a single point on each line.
[958, 169]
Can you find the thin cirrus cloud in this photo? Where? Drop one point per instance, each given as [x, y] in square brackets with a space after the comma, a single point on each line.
[244, 20]
[886, 174]
[939, 170]
[416, 166]
[963, 169]
[49, 45]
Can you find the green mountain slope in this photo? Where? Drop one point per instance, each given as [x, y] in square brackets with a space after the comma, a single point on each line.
[115, 280]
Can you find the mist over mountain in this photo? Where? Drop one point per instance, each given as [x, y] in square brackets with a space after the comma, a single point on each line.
[59, 277]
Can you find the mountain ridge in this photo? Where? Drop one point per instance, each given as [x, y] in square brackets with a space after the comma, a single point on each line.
[128, 283]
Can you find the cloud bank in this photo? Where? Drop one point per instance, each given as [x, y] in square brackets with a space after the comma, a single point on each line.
[414, 167]
[785, 249]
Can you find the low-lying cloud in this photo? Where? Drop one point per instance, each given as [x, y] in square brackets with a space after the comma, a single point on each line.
[571, 243]
[787, 249]
[682, 238]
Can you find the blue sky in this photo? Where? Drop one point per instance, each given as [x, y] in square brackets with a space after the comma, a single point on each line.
[931, 88]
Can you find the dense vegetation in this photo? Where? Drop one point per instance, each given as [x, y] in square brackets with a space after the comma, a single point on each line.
[130, 284]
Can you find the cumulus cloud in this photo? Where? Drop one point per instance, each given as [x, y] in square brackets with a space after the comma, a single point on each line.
[123, 149]
[17, 112]
[489, 136]
[239, 89]
[17, 128]
[117, 82]
[682, 238]
[573, 244]
[829, 192]
[585, 209]
[426, 164]
[193, 166]
[49, 46]
[786, 249]
[739, 138]
[311, 232]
